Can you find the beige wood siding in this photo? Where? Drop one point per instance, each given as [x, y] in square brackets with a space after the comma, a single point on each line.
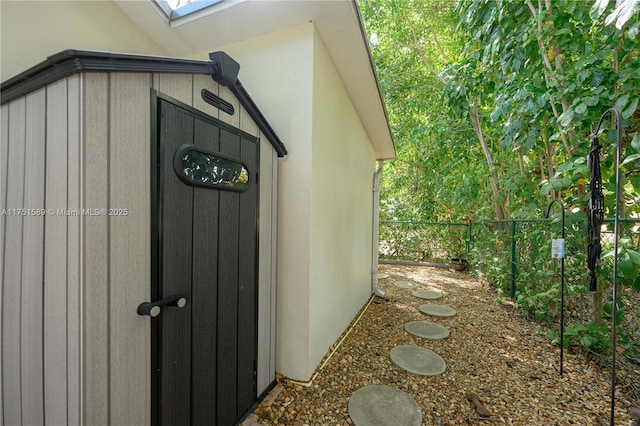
[95, 264]
[74, 351]
[33, 239]
[12, 268]
[40, 272]
[116, 253]
[129, 248]
[4, 151]
[267, 266]
[74, 287]
[55, 256]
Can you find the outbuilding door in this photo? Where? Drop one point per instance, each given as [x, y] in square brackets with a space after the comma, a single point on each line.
[204, 269]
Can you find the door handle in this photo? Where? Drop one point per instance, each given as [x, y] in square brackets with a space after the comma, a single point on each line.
[153, 309]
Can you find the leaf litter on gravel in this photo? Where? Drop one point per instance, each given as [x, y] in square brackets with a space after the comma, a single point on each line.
[491, 351]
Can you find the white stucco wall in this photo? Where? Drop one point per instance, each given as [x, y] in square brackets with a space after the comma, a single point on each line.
[343, 164]
[30, 31]
[277, 71]
[324, 192]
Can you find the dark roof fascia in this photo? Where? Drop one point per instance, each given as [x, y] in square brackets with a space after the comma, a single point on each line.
[243, 96]
[69, 62]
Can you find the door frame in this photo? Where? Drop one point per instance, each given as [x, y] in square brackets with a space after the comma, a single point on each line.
[156, 201]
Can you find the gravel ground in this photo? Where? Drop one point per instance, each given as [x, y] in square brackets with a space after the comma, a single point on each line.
[491, 351]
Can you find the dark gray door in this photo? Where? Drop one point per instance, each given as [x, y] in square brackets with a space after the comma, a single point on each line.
[205, 251]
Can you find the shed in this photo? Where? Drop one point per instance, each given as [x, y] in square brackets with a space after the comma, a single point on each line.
[306, 64]
[138, 218]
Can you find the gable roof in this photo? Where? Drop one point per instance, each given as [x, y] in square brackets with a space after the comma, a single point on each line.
[69, 62]
[338, 22]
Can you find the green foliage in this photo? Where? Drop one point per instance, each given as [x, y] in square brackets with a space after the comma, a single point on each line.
[628, 261]
[595, 337]
[425, 242]
[430, 180]
[539, 75]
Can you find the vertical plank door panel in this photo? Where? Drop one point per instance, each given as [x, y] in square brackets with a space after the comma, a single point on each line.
[208, 249]
[247, 288]
[228, 292]
[205, 288]
[176, 129]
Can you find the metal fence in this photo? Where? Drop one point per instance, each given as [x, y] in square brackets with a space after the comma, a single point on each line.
[433, 242]
[514, 257]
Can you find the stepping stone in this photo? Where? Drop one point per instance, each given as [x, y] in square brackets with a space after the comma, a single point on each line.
[383, 276]
[417, 360]
[427, 294]
[382, 405]
[406, 284]
[440, 311]
[427, 330]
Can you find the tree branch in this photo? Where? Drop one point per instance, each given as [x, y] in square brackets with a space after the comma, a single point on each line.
[475, 121]
[551, 70]
[445, 57]
[420, 50]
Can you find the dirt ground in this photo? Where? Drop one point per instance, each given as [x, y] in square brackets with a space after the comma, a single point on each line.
[492, 351]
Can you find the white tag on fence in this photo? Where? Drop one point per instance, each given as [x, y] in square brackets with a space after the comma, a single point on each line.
[557, 248]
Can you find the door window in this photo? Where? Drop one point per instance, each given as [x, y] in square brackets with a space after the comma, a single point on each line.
[199, 167]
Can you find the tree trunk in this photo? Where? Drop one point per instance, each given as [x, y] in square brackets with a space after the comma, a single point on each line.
[550, 195]
[553, 72]
[541, 165]
[597, 306]
[521, 162]
[475, 121]
[497, 199]
[549, 155]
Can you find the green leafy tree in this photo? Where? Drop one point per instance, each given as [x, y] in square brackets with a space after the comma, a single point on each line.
[414, 43]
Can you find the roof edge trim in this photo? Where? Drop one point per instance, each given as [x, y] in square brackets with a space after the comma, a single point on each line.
[243, 96]
[69, 62]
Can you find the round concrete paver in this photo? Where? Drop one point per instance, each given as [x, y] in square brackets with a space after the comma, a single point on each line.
[427, 330]
[437, 310]
[380, 405]
[427, 294]
[405, 284]
[417, 360]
